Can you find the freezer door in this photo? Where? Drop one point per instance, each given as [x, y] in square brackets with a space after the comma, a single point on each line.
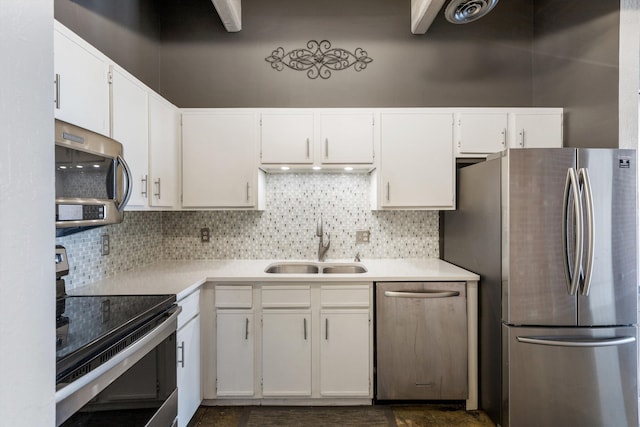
[533, 268]
[612, 285]
[570, 377]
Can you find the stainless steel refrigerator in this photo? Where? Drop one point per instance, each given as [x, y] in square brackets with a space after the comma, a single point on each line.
[552, 234]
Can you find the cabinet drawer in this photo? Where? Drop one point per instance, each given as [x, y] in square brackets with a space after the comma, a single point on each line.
[190, 308]
[345, 296]
[286, 296]
[234, 296]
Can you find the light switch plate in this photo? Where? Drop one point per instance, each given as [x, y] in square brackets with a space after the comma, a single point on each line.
[362, 236]
[106, 246]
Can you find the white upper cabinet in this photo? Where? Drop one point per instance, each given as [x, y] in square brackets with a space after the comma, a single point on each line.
[81, 82]
[346, 138]
[317, 136]
[164, 152]
[417, 164]
[286, 138]
[541, 129]
[130, 127]
[219, 160]
[482, 132]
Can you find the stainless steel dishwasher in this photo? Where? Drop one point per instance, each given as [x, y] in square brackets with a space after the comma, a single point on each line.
[421, 341]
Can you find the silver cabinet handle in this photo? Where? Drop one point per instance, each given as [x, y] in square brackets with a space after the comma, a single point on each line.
[308, 149]
[248, 191]
[388, 191]
[305, 328]
[57, 86]
[425, 294]
[522, 138]
[143, 186]
[504, 137]
[572, 272]
[583, 176]
[158, 184]
[577, 342]
[181, 360]
[246, 329]
[326, 148]
[326, 329]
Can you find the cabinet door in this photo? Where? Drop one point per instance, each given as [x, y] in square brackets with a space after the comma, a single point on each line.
[344, 353]
[286, 353]
[130, 127]
[189, 371]
[164, 137]
[287, 138]
[234, 353]
[482, 133]
[82, 85]
[219, 167]
[537, 130]
[416, 160]
[346, 138]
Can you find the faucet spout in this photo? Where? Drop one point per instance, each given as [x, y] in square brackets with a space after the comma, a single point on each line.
[323, 246]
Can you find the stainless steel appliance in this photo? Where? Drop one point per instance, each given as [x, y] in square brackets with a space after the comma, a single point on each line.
[552, 234]
[421, 341]
[115, 358]
[93, 182]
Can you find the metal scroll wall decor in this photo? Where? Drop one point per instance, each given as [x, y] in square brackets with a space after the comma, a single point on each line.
[319, 59]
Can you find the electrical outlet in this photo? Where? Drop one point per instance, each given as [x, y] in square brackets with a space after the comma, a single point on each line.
[106, 247]
[362, 236]
[205, 235]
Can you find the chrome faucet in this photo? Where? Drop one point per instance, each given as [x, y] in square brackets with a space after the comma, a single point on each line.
[322, 246]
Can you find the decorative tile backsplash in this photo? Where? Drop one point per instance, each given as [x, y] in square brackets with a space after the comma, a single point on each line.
[134, 242]
[286, 229]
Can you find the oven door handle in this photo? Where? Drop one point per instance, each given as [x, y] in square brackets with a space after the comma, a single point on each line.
[75, 395]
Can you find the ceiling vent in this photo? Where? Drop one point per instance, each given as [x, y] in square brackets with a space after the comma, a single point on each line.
[465, 11]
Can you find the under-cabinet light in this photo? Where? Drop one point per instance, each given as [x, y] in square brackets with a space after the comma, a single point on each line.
[284, 168]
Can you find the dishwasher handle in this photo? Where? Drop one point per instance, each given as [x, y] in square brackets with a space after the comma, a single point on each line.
[424, 294]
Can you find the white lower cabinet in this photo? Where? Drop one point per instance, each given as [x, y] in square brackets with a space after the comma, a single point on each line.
[344, 352]
[286, 353]
[309, 342]
[235, 353]
[189, 373]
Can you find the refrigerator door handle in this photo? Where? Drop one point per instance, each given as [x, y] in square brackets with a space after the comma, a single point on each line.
[583, 178]
[576, 342]
[572, 269]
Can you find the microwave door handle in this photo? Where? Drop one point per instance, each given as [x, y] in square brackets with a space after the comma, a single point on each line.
[127, 177]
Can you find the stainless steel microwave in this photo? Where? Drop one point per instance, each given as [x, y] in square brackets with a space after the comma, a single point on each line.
[93, 182]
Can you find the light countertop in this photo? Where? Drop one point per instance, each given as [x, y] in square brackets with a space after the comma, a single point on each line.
[184, 277]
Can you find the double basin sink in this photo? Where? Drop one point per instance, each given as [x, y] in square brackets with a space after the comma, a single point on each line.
[309, 267]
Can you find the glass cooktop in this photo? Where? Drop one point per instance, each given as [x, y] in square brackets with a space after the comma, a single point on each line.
[88, 324]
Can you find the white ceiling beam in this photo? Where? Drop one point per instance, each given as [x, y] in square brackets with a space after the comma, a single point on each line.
[423, 12]
[230, 14]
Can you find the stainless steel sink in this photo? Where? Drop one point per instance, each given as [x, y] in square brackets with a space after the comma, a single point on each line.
[315, 268]
[344, 269]
[292, 268]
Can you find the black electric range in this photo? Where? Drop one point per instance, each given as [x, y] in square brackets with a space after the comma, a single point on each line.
[91, 328]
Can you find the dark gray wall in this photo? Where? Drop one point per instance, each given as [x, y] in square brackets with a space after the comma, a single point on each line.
[575, 63]
[127, 31]
[486, 63]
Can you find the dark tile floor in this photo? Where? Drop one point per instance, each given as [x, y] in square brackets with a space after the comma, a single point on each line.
[436, 415]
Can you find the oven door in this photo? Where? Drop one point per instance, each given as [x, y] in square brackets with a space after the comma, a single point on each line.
[136, 387]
